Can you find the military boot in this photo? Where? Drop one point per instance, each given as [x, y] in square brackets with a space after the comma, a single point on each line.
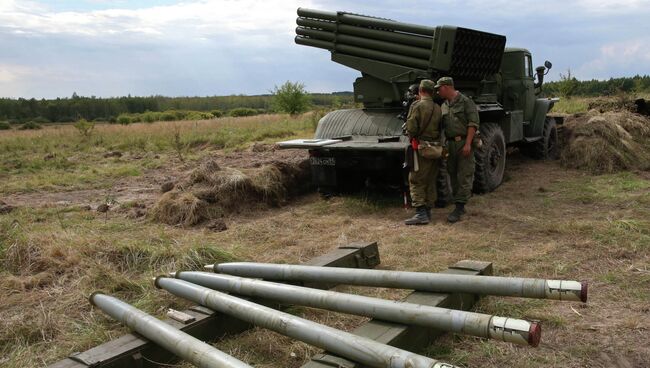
[428, 210]
[420, 217]
[455, 215]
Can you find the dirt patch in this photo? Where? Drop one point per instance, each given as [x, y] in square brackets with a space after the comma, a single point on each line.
[607, 142]
[210, 191]
[5, 208]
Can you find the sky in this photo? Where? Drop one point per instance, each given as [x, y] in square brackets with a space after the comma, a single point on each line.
[109, 48]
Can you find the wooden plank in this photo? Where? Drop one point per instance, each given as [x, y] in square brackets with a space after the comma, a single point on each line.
[412, 338]
[134, 351]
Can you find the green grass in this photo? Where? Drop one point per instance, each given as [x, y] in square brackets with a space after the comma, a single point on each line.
[59, 158]
[571, 105]
[603, 188]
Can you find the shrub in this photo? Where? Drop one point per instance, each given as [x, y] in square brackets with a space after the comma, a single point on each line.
[98, 120]
[4, 125]
[150, 116]
[217, 113]
[30, 125]
[84, 127]
[124, 119]
[41, 120]
[198, 115]
[242, 111]
[290, 98]
[168, 116]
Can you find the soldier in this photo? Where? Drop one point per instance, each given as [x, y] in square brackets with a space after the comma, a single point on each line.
[460, 121]
[422, 124]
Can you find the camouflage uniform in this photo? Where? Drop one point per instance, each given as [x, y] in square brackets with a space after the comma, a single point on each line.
[422, 183]
[458, 115]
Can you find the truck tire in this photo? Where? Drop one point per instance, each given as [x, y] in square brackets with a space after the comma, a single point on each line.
[490, 159]
[546, 148]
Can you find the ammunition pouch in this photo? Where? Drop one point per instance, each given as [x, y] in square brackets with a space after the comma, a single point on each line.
[431, 150]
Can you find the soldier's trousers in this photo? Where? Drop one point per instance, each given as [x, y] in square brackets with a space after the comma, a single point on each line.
[422, 183]
[461, 171]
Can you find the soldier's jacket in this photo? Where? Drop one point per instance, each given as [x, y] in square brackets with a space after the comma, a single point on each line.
[458, 115]
[419, 111]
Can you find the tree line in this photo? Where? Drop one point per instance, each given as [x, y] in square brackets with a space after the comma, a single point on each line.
[569, 86]
[109, 109]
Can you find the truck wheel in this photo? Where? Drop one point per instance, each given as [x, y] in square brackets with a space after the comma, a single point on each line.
[490, 159]
[546, 148]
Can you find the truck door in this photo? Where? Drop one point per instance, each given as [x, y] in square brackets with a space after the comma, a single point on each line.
[518, 84]
[528, 89]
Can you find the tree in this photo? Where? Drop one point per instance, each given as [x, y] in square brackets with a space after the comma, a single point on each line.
[568, 85]
[290, 98]
[84, 127]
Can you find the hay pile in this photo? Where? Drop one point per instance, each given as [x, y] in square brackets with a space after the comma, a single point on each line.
[211, 191]
[607, 142]
[622, 103]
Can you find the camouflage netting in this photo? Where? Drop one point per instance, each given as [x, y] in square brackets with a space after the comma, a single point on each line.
[211, 192]
[607, 142]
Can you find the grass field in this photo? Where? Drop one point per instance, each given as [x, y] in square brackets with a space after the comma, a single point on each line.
[544, 221]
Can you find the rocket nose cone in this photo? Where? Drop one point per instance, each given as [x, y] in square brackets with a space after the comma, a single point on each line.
[209, 267]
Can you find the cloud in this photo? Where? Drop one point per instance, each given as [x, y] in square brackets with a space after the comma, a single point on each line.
[205, 19]
[622, 57]
[11, 73]
[204, 47]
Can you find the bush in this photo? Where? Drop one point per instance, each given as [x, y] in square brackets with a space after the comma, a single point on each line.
[124, 119]
[290, 98]
[150, 116]
[242, 111]
[198, 115]
[4, 125]
[30, 125]
[84, 127]
[217, 113]
[41, 120]
[168, 116]
[99, 120]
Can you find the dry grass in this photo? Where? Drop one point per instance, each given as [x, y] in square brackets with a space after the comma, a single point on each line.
[607, 142]
[59, 158]
[210, 192]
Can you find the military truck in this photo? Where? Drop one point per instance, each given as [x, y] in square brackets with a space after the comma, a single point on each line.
[366, 144]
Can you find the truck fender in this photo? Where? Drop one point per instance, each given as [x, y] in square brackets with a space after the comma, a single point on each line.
[536, 125]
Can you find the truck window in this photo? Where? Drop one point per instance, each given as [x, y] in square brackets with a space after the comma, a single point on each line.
[528, 66]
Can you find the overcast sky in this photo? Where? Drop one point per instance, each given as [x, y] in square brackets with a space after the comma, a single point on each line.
[220, 47]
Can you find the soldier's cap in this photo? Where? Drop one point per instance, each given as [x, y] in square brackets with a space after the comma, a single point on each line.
[444, 81]
[427, 84]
